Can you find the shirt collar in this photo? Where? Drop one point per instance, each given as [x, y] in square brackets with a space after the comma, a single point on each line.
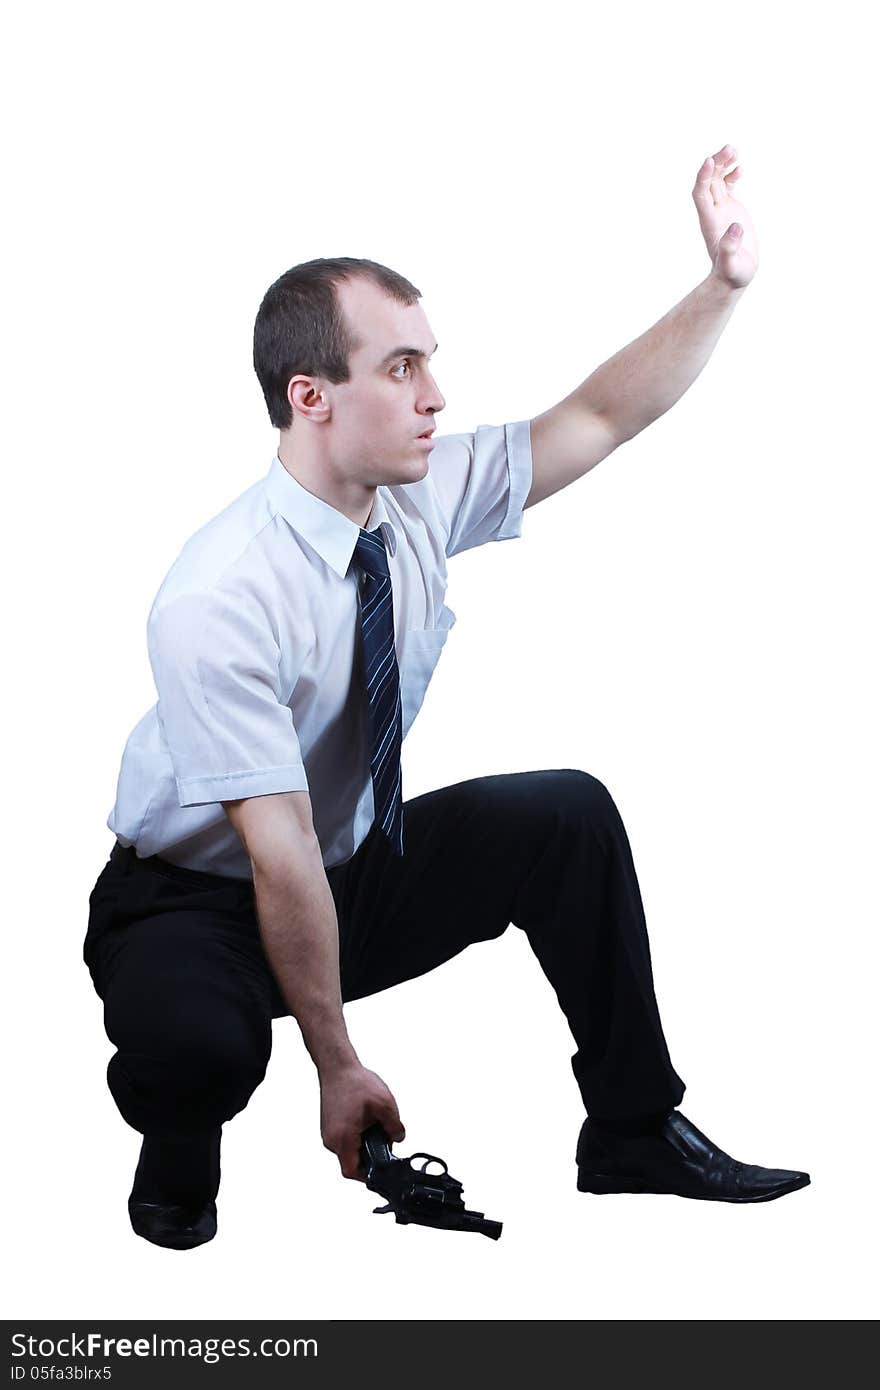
[329, 533]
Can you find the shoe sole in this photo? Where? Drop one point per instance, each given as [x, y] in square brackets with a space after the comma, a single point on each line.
[174, 1242]
[601, 1185]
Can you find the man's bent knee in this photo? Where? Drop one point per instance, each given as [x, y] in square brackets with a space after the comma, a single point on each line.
[580, 795]
[182, 1093]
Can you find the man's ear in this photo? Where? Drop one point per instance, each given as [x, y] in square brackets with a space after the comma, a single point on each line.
[305, 398]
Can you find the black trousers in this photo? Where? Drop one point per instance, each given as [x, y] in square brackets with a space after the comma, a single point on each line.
[189, 996]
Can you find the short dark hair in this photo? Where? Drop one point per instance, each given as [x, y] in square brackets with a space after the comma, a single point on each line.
[300, 326]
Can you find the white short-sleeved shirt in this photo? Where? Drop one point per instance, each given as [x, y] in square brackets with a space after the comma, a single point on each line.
[254, 644]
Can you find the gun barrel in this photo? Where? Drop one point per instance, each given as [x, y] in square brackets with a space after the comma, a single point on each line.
[476, 1221]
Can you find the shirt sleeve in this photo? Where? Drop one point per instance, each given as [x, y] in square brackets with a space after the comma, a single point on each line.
[480, 483]
[229, 734]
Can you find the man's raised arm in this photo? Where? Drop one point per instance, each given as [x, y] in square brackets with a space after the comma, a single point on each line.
[640, 383]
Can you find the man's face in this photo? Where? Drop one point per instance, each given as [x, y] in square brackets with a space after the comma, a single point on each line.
[391, 397]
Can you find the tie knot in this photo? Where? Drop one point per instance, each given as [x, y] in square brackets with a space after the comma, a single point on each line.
[369, 552]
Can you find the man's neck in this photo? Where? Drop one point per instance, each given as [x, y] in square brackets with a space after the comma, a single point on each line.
[354, 500]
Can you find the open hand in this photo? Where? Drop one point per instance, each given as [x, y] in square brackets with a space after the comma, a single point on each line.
[726, 225]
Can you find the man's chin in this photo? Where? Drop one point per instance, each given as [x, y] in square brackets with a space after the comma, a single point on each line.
[417, 467]
[409, 469]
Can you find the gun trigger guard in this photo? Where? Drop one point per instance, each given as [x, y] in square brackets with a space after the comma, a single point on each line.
[429, 1158]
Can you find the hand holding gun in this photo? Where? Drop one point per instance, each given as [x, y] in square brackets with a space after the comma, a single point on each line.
[414, 1194]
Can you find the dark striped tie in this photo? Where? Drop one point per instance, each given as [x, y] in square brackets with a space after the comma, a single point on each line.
[383, 684]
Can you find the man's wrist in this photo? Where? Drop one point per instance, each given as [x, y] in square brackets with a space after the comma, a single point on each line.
[335, 1057]
[721, 290]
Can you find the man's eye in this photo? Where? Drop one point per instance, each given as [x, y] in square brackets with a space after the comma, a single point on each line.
[399, 365]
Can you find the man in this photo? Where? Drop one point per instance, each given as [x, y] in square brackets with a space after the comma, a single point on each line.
[266, 863]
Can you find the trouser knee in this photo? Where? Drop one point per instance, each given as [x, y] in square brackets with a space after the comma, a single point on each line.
[580, 799]
[182, 1094]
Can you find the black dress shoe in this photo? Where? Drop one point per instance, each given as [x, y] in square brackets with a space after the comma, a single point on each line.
[676, 1158]
[173, 1199]
[176, 1227]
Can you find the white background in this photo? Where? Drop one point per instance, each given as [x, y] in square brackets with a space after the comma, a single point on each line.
[694, 622]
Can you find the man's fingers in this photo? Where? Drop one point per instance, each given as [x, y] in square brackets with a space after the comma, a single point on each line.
[350, 1163]
[391, 1122]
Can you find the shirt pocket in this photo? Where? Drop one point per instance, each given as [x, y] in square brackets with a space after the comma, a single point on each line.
[419, 656]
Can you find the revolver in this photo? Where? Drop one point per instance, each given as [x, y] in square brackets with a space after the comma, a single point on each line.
[414, 1194]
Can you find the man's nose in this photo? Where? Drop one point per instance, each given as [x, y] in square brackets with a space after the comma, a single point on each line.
[433, 398]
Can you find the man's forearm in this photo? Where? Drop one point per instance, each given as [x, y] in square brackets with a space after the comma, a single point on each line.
[300, 933]
[644, 379]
